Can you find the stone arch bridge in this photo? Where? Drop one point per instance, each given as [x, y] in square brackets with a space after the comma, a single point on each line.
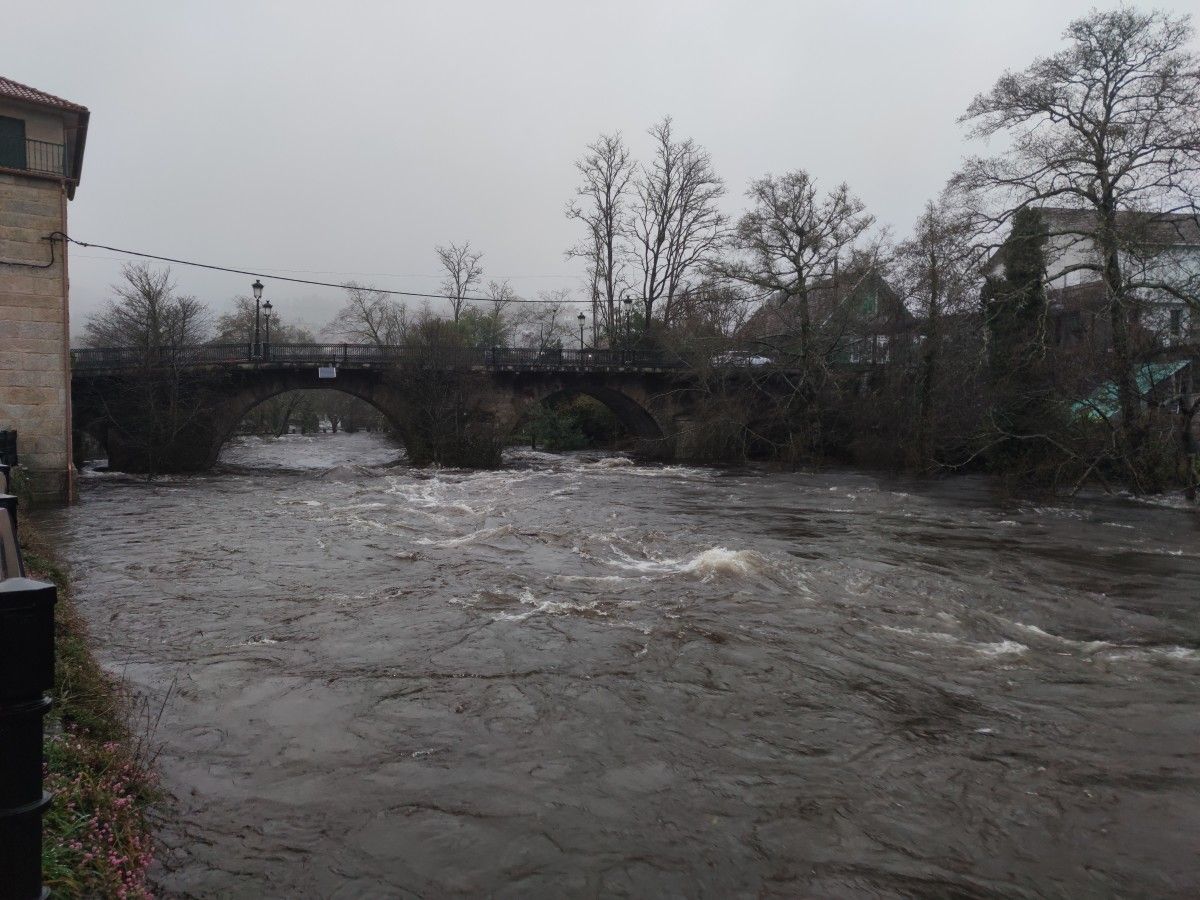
[173, 410]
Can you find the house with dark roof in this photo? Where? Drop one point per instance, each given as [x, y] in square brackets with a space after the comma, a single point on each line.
[856, 318]
[42, 139]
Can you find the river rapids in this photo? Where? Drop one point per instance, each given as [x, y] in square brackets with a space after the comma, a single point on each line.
[586, 676]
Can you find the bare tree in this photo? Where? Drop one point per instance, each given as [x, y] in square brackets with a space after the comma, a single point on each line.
[675, 225]
[147, 313]
[715, 311]
[149, 410]
[370, 316]
[237, 326]
[463, 273]
[1110, 125]
[939, 268]
[791, 241]
[549, 323]
[601, 205]
[501, 296]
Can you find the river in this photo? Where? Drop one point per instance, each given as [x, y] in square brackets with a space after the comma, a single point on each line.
[584, 676]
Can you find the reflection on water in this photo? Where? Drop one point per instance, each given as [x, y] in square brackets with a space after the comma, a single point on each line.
[584, 676]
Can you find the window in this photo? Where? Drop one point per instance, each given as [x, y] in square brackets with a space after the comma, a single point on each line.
[1176, 322]
[12, 142]
[1068, 329]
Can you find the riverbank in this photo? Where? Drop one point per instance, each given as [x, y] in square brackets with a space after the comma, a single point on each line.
[97, 838]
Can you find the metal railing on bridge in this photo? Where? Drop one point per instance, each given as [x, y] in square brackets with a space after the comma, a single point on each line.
[517, 359]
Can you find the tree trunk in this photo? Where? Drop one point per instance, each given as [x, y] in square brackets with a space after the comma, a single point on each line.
[1129, 431]
[928, 369]
[805, 328]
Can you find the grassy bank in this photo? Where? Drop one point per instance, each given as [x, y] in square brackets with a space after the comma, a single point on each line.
[96, 838]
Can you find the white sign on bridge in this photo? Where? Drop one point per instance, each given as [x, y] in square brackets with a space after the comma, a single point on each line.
[327, 371]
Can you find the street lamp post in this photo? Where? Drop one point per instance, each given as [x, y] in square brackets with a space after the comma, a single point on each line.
[582, 318]
[628, 301]
[267, 340]
[257, 287]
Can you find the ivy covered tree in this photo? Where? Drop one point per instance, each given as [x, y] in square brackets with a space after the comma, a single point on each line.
[1015, 308]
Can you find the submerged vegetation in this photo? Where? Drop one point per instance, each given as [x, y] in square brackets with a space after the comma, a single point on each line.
[572, 423]
[97, 839]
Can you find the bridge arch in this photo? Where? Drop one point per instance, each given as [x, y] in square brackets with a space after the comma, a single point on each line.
[87, 426]
[255, 391]
[634, 417]
[637, 406]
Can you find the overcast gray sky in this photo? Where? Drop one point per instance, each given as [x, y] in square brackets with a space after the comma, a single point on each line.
[346, 140]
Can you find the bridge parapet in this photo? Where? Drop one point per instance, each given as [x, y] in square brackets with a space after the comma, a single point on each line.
[497, 359]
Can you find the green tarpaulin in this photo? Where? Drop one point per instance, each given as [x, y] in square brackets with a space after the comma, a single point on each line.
[1103, 401]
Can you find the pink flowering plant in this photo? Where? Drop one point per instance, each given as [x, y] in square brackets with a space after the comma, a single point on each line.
[97, 840]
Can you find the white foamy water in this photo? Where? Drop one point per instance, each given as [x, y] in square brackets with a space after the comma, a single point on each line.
[480, 536]
[548, 606]
[613, 462]
[310, 451]
[716, 561]
[1001, 648]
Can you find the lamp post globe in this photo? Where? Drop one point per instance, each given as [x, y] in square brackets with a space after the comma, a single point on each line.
[257, 288]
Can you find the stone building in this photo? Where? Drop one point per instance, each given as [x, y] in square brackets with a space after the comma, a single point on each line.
[41, 154]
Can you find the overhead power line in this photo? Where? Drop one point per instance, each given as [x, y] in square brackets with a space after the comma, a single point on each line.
[340, 286]
[273, 277]
[505, 276]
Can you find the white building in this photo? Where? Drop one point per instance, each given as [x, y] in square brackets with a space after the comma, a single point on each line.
[1157, 249]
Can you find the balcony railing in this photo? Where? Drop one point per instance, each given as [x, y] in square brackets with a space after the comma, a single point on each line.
[42, 157]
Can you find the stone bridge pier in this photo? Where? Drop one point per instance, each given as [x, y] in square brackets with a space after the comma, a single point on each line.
[178, 422]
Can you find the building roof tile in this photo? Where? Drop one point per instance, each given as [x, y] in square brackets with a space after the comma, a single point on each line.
[14, 90]
[1148, 227]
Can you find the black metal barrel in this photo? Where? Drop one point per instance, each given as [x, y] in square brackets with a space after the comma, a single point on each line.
[8, 447]
[26, 674]
[12, 565]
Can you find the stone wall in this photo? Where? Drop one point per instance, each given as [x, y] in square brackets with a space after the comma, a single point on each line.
[34, 350]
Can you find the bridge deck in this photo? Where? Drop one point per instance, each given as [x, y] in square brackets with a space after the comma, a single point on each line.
[495, 359]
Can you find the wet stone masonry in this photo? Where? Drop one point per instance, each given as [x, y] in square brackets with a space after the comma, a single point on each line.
[34, 360]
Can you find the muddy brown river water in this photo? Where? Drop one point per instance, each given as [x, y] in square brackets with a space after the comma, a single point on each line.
[581, 676]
